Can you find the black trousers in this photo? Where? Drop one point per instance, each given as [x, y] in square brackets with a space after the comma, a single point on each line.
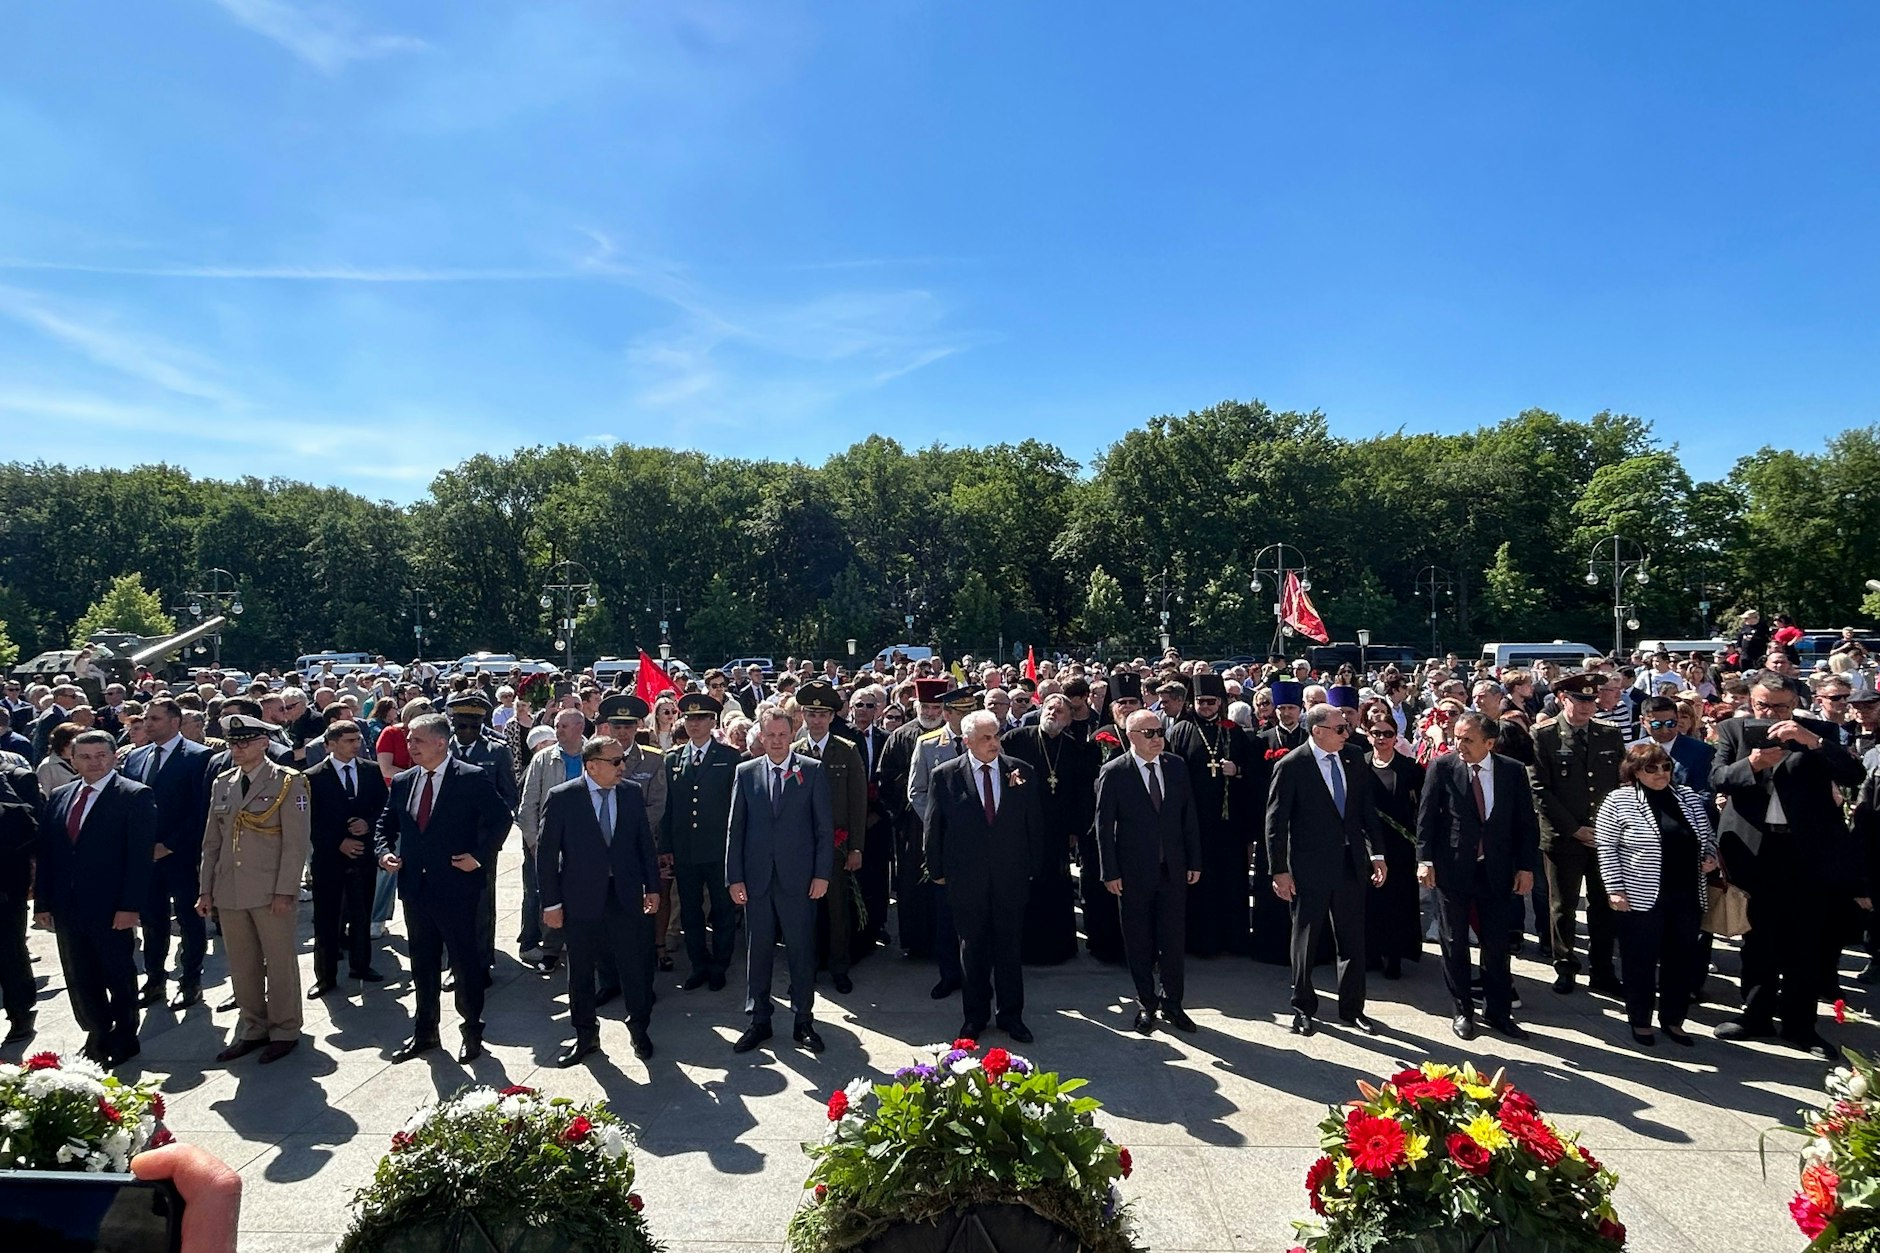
[1660, 949]
[626, 935]
[1154, 918]
[431, 926]
[1342, 909]
[1491, 905]
[17, 992]
[342, 914]
[1790, 929]
[705, 901]
[1103, 926]
[101, 976]
[876, 876]
[991, 936]
[946, 936]
[913, 894]
[173, 892]
[1572, 866]
[789, 912]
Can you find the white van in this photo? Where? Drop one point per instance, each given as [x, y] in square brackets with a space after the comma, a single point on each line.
[1570, 653]
[313, 661]
[911, 652]
[1681, 648]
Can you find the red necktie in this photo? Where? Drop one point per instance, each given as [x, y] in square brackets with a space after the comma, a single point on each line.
[77, 813]
[424, 802]
[1481, 799]
[985, 784]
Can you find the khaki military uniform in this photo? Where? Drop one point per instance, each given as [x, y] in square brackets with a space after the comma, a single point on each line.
[253, 849]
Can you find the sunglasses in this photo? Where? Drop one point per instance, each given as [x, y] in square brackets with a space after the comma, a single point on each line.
[1661, 724]
[1657, 767]
[1339, 730]
[611, 761]
[1834, 700]
[865, 704]
[1149, 733]
[1383, 733]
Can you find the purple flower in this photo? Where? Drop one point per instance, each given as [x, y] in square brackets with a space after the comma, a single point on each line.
[954, 1056]
[904, 1074]
[924, 1071]
[1020, 1066]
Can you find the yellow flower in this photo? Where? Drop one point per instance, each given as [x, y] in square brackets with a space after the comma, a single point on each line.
[1485, 1131]
[1416, 1147]
[1345, 1168]
[1476, 1090]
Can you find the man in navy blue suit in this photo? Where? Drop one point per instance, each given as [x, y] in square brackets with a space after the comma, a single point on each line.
[442, 823]
[599, 882]
[96, 841]
[176, 770]
[779, 855]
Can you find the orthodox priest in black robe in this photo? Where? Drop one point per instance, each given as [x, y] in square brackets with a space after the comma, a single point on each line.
[1221, 771]
[1065, 769]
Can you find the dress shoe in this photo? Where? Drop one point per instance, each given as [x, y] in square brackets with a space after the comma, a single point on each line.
[971, 1031]
[448, 985]
[415, 1047]
[1677, 1035]
[1563, 982]
[152, 993]
[1016, 1028]
[20, 1028]
[548, 965]
[186, 995]
[754, 1035]
[1606, 984]
[665, 964]
[1870, 973]
[276, 1050]
[1464, 1027]
[1507, 1027]
[319, 989]
[694, 981]
[1360, 1022]
[944, 989]
[367, 976]
[1145, 1021]
[1393, 968]
[1816, 1047]
[470, 1050]
[572, 1055]
[805, 1034]
[1302, 1024]
[1177, 1017]
[844, 984]
[1644, 1039]
[223, 1007]
[606, 996]
[642, 1044]
[1744, 1029]
[241, 1048]
[716, 983]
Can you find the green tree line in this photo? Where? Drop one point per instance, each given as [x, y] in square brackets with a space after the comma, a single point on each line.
[982, 546]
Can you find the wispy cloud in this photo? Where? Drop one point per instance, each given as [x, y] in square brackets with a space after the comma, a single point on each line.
[134, 353]
[322, 35]
[305, 273]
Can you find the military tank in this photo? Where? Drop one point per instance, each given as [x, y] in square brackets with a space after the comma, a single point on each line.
[115, 657]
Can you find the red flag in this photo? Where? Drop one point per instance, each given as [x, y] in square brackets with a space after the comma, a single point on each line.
[1295, 609]
[651, 681]
[1031, 664]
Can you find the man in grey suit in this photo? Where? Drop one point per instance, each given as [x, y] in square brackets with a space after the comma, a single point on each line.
[779, 856]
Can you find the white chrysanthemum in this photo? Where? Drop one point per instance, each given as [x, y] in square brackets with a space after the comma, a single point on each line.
[65, 1154]
[96, 1163]
[935, 1051]
[13, 1120]
[1033, 1110]
[513, 1106]
[478, 1098]
[857, 1089]
[964, 1065]
[419, 1117]
[81, 1066]
[1817, 1150]
[1857, 1087]
[612, 1142]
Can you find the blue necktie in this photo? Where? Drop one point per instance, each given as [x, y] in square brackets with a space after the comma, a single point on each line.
[1338, 784]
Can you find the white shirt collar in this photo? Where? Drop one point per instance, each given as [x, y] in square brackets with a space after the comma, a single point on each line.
[1141, 763]
[172, 744]
[100, 785]
[819, 746]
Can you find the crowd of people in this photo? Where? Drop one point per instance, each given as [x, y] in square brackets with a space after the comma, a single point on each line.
[982, 817]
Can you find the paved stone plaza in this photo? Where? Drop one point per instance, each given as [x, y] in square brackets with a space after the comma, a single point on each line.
[1222, 1124]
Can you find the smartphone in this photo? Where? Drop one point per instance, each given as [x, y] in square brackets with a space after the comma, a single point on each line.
[56, 1211]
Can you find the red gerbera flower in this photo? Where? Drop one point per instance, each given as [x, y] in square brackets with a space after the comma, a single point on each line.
[1515, 1100]
[578, 1129]
[1429, 1090]
[1820, 1185]
[161, 1137]
[1320, 1171]
[516, 1089]
[1124, 1160]
[996, 1062]
[109, 1111]
[633, 1199]
[1534, 1135]
[838, 1105]
[43, 1061]
[1612, 1229]
[964, 1043]
[1467, 1154]
[1375, 1144]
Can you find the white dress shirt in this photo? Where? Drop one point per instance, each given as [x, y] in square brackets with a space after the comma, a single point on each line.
[437, 787]
[998, 784]
[1485, 771]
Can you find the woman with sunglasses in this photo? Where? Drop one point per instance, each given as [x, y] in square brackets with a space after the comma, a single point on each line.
[1393, 916]
[1656, 845]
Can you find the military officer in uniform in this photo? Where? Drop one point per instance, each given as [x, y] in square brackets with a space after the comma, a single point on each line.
[700, 773]
[913, 894]
[621, 714]
[944, 743]
[257, 840]
[473, 744]
[1270, 939]
[1103, 925]
[848, 790]
[1576, 763]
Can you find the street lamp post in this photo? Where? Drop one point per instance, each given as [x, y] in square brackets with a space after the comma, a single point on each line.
[215, 598]
[1273, 560]
[423, 610]
[667, 606]
[568, 584]
[1435, 581]
[1628, 558]
[1161, 589]
[1364, 642]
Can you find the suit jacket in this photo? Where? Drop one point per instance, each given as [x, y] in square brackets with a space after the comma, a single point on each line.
[247, 869]
[797, 842]
[1572, 775]
[578, 867]
[20, 806]
[333, 809]
[107, 871]
[645, 768]
[1134, 838]
[468, 817]
[1824, 856]
[181, 787]
[1305, 834]
[698, 804]
[1450, 833]
[848, 788]
[938, 745]
[492, 756]
[986, 865]
[545, 772]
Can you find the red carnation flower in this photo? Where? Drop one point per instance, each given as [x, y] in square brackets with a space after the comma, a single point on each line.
[1840, 1012]
[161, 1137]
[577, 1130]
[1612, 1229]
[1404, 1078]
[156, 1104]
[109, 1111]
[1467, 1154]
[516, 1089]
[964, 1043]
[838, 1105]
[1320, 1171]
[842, 836]
[1108, 739]
[43, 1061]
[1375, 1144]
[401, 1140]
[633, 1199]
[1808, 1216]
[997, 1062]
[1124, 1160]
[822, 1190]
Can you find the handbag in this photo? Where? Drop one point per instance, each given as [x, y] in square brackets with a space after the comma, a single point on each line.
[1728, 910]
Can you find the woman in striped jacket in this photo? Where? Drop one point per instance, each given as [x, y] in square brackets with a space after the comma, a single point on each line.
[1655, 845]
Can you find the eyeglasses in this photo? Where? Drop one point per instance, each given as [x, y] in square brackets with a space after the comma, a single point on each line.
[611, 761]
[1657, 767]
[1148, 733]
[1339, 730]
[1661, 724]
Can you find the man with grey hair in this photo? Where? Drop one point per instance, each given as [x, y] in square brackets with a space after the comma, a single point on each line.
[553, 766]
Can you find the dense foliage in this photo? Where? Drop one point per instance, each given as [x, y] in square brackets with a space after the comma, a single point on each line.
[983, 546]
[960, 1129]
[1445, 1149]
[1837, 1202]
[504, 1157]
[57, 1114]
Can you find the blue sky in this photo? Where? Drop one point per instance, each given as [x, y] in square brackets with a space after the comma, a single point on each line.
[356, 242]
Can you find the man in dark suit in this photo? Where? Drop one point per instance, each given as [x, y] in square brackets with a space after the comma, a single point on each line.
[177, 771]
[699, 777]
[20, 805]
[600, 885]
[779, 857]
[1148, 852]
[348, 795]
[441, 825]
[1478, 844]
[471, 744]
[1327, 852]
[985, 836]
[1784, 842]
[848, 809]
[96, 839]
